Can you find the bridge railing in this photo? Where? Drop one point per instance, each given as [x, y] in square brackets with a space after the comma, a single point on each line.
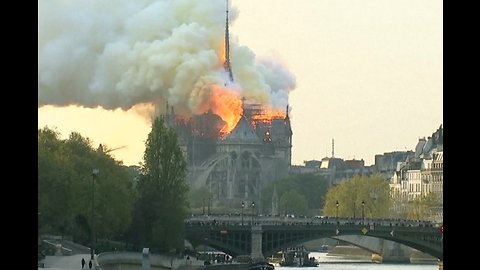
[218, 220]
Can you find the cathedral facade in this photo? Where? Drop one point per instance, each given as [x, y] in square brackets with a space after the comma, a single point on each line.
[234, 167]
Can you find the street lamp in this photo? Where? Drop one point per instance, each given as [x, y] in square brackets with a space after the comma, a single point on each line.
[253, 209]
[94, 173]
[337, 211]
[243, 206]
[363, 211]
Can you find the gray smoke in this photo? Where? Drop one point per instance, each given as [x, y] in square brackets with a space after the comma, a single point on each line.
[117, 54]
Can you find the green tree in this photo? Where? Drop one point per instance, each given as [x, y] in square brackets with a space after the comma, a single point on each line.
[312, 187]
[292, 202]
[65, 189]
[198, 199]
[162, 189]
[53, 183]
[422, 207]
[372, 190]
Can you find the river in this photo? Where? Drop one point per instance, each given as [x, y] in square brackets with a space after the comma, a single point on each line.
[337, 263]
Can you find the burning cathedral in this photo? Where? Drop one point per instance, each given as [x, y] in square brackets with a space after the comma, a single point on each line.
[172, 58]
[235, 153]
[234, 166]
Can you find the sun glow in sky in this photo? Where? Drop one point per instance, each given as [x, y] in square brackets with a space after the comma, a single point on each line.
[369, 74]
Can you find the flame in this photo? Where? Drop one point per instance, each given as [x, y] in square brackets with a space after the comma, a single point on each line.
[222, 53]
[267, 115]
[228, 105]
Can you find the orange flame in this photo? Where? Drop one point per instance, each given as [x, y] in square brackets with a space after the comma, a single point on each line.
[228, 105]
[222, 53]
[268, 115]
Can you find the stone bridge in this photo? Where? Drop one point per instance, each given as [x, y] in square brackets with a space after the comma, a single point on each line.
[261, 237]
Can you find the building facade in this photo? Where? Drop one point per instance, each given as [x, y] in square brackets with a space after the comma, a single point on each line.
[416, 185]
[234, 166]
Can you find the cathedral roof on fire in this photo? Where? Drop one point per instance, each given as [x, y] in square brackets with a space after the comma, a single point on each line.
[243, 133]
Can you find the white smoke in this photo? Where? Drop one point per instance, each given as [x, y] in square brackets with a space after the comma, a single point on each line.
[117, 54]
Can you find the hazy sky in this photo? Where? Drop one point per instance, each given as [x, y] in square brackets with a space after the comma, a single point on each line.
[369, 74]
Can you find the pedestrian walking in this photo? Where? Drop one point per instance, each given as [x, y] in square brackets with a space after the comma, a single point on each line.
[90, 264]
[83, 263]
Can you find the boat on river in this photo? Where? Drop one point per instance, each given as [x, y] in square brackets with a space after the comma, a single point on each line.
[298, 257]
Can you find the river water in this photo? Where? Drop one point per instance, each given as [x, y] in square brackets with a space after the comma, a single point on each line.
[337, 263]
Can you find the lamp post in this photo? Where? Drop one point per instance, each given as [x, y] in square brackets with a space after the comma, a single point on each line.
[363, 211]
[253, 210]
[337, 211]
[243, 206]
[94, 173]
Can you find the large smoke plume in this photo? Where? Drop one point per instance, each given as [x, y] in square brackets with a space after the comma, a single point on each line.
[116, 54]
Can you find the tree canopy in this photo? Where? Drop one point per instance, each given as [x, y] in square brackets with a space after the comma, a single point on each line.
[199, 199]
[162, 189]
[298, 194]
[67, 188]
[422, 207]
[372, 190]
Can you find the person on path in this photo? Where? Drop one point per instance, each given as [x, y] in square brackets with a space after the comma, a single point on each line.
[90, 264]
[83, 263]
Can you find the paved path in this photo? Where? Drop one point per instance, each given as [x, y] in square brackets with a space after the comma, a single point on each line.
[74, 262]
[65, 262]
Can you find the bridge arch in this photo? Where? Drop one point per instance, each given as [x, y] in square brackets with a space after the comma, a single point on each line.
[435, 252]
[234, 239]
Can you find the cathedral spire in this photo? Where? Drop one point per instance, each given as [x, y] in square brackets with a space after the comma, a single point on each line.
[227, 49]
